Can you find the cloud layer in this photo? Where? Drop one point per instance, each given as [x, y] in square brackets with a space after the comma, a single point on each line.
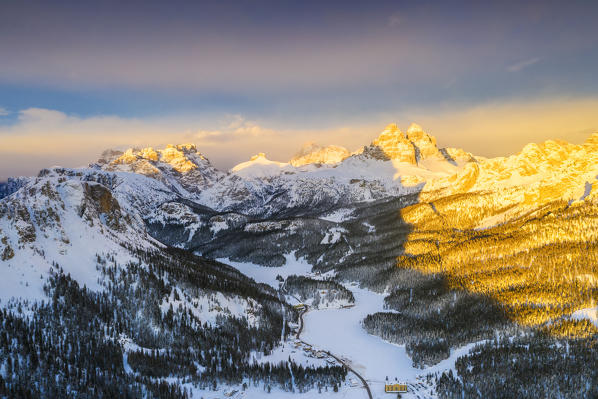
[41, 137]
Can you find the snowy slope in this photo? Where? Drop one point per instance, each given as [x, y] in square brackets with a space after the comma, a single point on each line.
[259, 167]
[61, 222]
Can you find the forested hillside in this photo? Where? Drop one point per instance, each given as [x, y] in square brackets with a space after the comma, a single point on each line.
[525, 277]
[127, 339]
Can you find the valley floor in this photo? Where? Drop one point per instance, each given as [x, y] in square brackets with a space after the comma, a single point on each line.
[340, 332]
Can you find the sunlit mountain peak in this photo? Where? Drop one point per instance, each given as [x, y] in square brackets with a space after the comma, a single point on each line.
[312, 153]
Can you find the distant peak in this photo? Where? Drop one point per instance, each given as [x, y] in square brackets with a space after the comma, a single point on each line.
[592, 140]
[187, 147]
[412, 147]
[312, 153]
[392, 129]
[414, 128]
[422, 140]
[307, 148]
[394, 145]
[260, 155]
[181, 157]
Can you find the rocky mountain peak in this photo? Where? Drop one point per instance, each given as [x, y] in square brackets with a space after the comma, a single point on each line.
[183, 158]
[414, 128]
[391, 129]
[424, 143]
[395, 145]
[178, 166]
[412, 147]
[592, 141]
[258, 156]
[312, 153]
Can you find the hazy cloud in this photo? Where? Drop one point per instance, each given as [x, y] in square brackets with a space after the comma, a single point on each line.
[207, 134]
[395, 20]
[523, 64]
[503, 128]
[233, 127]
[239, 126]
[42, 138]
[4, 111]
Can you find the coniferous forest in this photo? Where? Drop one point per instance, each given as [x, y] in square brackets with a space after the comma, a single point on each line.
[72, 344]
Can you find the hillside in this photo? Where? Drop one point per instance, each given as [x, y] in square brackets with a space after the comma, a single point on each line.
[94, 306]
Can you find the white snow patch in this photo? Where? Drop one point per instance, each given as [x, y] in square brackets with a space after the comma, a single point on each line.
[208, 307]
[333, 235]
[371, 228]
[338, 216]
[590, 314]
[218, 225]
[260, 167]
[340, 331]
[267, 275]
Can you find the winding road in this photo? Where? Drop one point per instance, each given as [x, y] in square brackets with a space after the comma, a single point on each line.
[363, 381]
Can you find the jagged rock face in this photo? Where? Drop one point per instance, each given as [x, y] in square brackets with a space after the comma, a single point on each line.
[311, 153]
[12, 185]
[59, 219]
[98, 202]
[179, 166]
[394, 145]
[6, 251]
[454, 155]
[425, 145]
[413, 147]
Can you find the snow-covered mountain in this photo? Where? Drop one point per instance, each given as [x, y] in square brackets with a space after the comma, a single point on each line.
[79, 267]
[264, 202]
[316, 179]
[312, 153]
[11, 185]
[53, 220]
[180, 167]
[137, 231]
[180, 199]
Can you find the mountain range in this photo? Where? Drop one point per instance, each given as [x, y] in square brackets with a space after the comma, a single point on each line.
[140, 238]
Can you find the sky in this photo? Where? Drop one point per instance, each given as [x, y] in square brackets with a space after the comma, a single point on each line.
[237, 78]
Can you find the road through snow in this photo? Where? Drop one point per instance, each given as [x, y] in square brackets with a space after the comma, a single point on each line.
[340, 332]
[339, 360]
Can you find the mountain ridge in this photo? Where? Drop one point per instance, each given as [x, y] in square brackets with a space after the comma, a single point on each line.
[134, 241]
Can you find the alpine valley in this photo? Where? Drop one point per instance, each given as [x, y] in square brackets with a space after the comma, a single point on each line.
[152, 274]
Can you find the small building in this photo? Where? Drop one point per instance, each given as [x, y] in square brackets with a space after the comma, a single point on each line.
[394, 388]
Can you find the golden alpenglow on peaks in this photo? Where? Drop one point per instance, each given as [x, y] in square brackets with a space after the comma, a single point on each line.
[539, 173]
[260, 155]
[179, 162]
[395, 145]
[423, 142]
[522, 230]
[327, 252]
[416, 148]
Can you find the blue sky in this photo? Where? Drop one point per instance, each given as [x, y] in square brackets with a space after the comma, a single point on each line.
[334, 71]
